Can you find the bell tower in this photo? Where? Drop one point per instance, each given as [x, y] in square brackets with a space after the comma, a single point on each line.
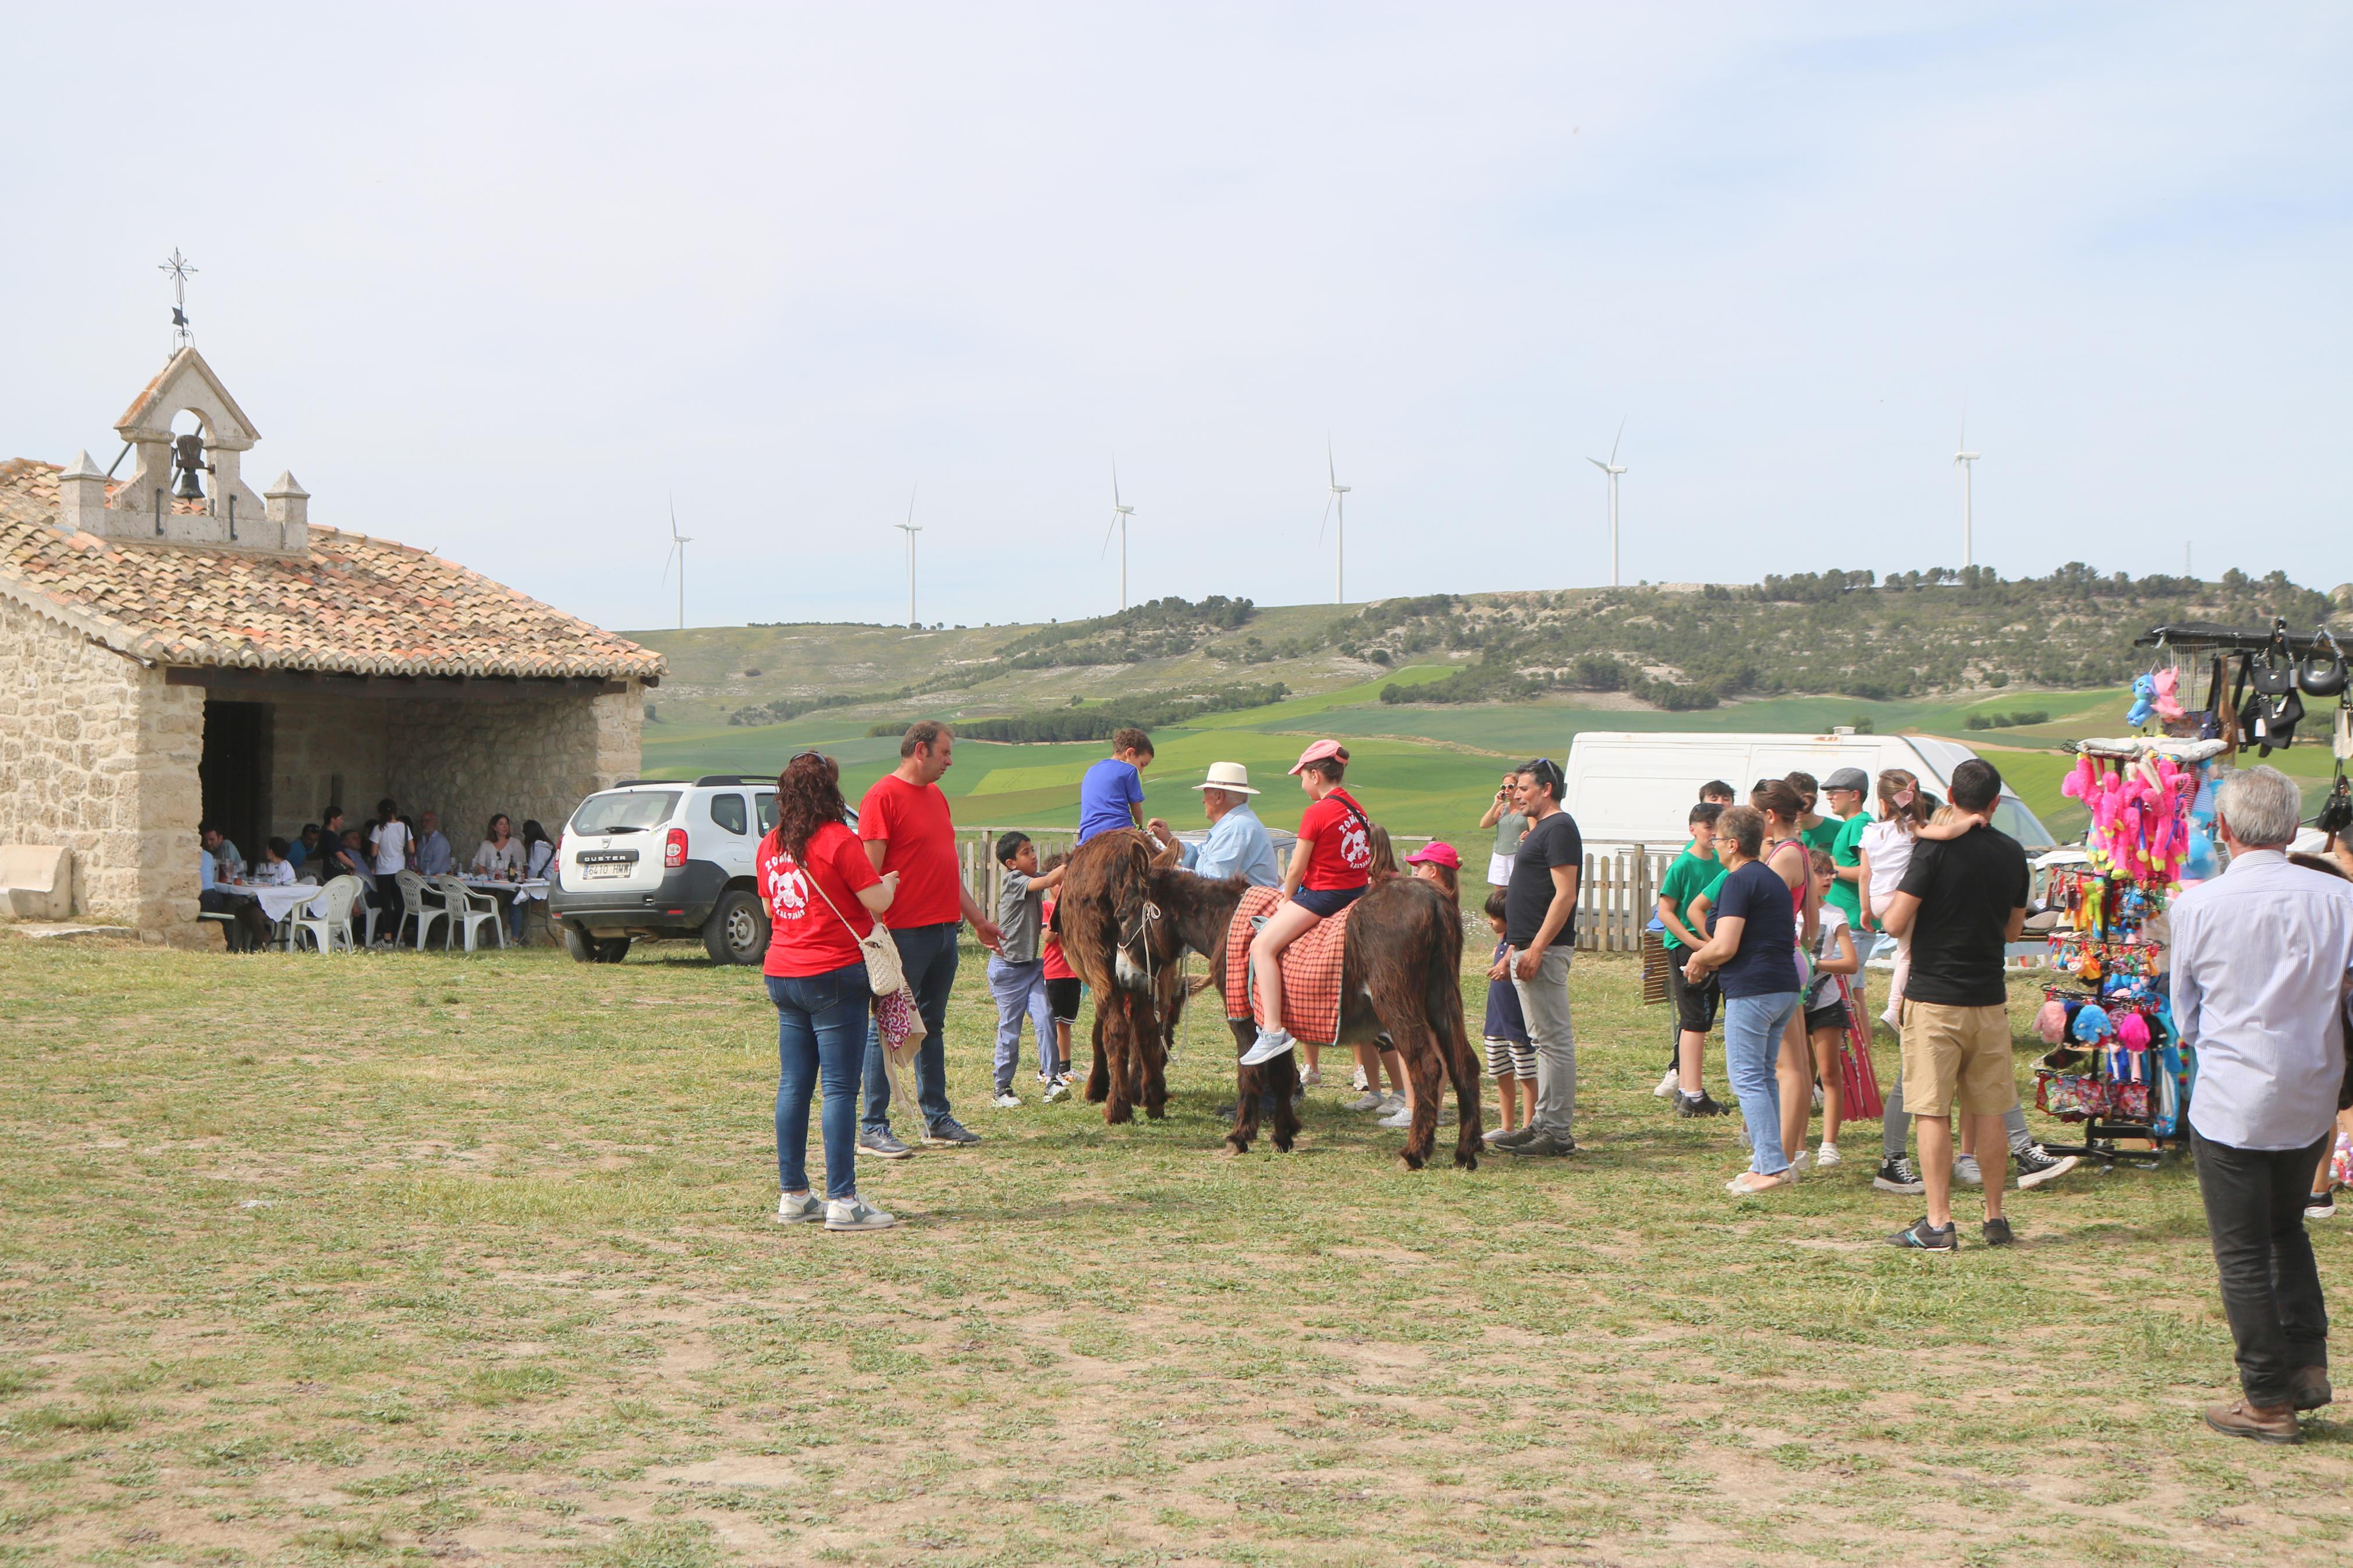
[187, 489]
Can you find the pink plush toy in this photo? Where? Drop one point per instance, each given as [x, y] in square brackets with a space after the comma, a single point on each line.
[2167, 706]
[2133, 1033]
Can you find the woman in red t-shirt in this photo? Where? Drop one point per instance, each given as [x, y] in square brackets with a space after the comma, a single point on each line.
[1331, 866]
[816, 878]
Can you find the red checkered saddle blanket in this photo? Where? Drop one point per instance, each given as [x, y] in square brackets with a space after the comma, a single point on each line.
[1311, 969]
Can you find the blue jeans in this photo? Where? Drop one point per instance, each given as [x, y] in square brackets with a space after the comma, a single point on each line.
[1020, 989]
[928, 955]
[820, 1022]
[1752, 1044]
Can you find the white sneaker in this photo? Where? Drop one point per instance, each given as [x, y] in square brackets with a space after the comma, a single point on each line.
[1356, 1081]
[1965, 1172]
[1007, 1100]
[1311, 1077]
[856, 1214]
[1818, 1097]
[1668, 1085]
[791, 1208]
[1492, 1134]
[1057, 1088]
[1826, 1158]
[1271, 1044]
[1798, 1163]
[1390, 1104]
[1402, 1116]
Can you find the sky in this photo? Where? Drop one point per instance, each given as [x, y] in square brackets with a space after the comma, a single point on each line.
[509, 285]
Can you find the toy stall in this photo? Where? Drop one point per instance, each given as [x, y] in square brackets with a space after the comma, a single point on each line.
[2116, 1065]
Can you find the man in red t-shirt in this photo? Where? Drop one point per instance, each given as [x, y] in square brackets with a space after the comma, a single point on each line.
[905, 823]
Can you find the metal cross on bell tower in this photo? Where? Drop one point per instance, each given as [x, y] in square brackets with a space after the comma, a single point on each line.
[181, 334]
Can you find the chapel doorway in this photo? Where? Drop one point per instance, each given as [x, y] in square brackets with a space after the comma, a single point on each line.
[234, 776]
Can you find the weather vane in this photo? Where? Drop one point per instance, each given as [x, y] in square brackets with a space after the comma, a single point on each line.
[182, 334]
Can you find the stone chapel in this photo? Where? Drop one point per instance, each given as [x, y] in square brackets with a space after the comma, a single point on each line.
[178, 648]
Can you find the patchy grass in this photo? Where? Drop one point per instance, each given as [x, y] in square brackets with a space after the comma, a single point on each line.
[369, 1259]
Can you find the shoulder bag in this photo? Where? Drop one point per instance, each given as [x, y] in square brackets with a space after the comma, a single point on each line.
[883, 975]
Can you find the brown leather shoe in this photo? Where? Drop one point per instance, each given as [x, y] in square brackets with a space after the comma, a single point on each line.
[2309, 1384]
[2265, 1424]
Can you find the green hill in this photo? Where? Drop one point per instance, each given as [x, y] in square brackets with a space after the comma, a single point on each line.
[1433, 694]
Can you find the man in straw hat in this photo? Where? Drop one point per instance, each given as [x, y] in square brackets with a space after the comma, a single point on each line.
[1238, 844]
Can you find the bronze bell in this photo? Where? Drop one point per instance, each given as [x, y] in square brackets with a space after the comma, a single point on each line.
[188, 456]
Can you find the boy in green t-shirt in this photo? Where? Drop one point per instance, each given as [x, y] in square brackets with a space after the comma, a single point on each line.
[1844, 791]
[1694, 873]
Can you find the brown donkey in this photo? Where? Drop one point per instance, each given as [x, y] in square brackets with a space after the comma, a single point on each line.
[1400, 976]
[1111, 936]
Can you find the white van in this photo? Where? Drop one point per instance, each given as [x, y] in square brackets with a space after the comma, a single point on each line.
[1630, 788]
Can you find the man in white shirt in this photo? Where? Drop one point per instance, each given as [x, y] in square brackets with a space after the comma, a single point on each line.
[2260, 962]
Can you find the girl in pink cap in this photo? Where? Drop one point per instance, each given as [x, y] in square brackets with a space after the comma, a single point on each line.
[1330, 868]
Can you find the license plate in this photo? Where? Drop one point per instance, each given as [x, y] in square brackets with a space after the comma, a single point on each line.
[596, 869]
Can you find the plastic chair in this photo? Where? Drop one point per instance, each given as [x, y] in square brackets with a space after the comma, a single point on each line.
[422, 902]
[461, 903]
[331, 929]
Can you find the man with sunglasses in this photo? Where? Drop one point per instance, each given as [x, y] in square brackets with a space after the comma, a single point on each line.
[1540, 924]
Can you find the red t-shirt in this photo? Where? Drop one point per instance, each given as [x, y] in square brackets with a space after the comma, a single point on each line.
[913, 820]
[1343, 855]
[1057, 966]
[805, 936]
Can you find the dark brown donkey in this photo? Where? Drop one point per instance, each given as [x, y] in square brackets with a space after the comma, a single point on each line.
[1111, 936]
[1400, 976]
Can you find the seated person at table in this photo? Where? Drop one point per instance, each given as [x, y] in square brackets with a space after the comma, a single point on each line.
[500, 851]
[246, 927]
[275, 871]
[350, 859]
[228, 866]
[434, 856]
[305, 848]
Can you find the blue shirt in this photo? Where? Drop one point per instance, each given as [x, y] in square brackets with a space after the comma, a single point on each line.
[1766, 964]
[433, 854]
[1237, 845]
[296, 854]
[204, 870]
[1109, 789]
[1505, 1020]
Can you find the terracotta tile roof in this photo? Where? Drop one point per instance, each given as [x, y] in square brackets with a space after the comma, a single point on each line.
[352, 605]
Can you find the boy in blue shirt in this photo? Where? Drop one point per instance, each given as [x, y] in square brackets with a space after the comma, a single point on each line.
[1111, 795]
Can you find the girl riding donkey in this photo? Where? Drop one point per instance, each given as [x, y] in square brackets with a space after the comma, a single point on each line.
[1330, 869]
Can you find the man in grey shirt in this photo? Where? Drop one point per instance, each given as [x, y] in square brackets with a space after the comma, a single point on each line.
[2261, 958]
[1016, 970]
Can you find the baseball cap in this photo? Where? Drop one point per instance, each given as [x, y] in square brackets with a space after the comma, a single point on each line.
[1438, 852]
[1316, 754]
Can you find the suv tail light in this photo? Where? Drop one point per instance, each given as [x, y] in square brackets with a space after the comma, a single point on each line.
[674, 849]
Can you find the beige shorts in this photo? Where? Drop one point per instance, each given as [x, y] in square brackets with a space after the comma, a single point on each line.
[1958, 1059]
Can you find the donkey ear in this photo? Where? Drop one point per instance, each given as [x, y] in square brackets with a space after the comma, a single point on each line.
[1168, 857]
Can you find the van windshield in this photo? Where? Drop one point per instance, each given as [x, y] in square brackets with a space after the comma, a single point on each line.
[631, 810]
[2010, 816]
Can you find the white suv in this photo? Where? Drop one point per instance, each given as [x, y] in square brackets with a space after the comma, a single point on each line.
[656, 858]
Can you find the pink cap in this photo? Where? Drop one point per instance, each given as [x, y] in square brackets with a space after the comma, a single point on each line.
[1438, 852]
[1316, 754]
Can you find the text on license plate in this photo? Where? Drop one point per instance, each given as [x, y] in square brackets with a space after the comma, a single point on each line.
[595, 868]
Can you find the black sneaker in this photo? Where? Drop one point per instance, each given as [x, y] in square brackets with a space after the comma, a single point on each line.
[950, 1130]
[1921, 1236]
[2036, 1166]
[1998, 1233]
[1542, 1146]
[1897, 1175]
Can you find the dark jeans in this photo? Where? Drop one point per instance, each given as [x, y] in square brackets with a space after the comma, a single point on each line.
[2271, 1290]
[821, 1033]
[928, 955]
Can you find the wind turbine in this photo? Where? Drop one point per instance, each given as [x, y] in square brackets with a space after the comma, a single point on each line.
[1613, 468]
[910, 528]
[1964, 458]
[1119, 516]
[1337, 502]
[678, 543]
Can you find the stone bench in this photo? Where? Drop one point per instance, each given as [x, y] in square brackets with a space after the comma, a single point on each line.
[35, 882]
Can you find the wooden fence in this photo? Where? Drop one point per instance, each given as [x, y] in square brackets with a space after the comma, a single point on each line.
[1617, 897]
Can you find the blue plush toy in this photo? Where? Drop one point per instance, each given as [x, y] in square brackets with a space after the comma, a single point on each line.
[2143, 702]
[2091, 1024]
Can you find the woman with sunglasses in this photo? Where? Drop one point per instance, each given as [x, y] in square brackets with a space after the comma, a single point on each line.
[1330, 867]
[817, 880]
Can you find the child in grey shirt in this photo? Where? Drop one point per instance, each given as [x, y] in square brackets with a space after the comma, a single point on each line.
[1017, 972]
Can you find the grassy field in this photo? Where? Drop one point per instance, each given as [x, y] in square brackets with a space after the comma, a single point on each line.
[470, 1260]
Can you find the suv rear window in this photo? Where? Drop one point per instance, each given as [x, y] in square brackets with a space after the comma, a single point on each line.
[625, 811]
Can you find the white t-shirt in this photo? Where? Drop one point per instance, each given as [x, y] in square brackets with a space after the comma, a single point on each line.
[1890, 849]
[391, 848]
[274, 874]
[1819, 988]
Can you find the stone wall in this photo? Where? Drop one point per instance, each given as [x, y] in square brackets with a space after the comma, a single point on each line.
[529, 757]
[99, 754]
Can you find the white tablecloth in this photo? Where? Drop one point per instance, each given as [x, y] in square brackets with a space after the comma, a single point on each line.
[276, 902]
